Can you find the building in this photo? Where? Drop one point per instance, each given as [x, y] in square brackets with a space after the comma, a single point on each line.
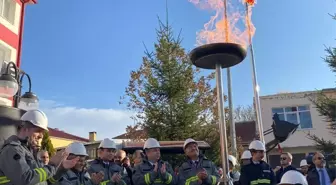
[61, 139]
[126, 138]
[11, 27]
[246, 132]
[295, 108]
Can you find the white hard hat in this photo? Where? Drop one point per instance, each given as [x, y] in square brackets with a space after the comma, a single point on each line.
[303, 163]
[77, 148]
[107, 143]
[293, 177]
[37, 118]
[233, 160]
[151, 143]
[187, 141]
[246, 155]
[257, 145]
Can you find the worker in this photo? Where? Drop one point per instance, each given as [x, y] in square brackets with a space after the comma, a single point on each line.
[258, 172]
[152, 170]
[77, 175]
[197, 169]
[234, 174]
[246, 157]
[123, 161]
[304, 167]
[293, 177]
[104, 164]
[43, 155]
[18, 165]
[137, 157]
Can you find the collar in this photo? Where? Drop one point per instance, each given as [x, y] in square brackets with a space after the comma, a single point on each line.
[255, 162]
[106, 162]
[286, 167]
[318, 169]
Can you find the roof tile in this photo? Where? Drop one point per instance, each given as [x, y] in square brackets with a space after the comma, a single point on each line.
[53, 132]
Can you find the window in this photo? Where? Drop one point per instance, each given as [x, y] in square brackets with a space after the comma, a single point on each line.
[7, 10]
[5, 53]
[92, 153]
[297, 114]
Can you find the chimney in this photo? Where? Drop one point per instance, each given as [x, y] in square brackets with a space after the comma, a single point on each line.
[92, 136]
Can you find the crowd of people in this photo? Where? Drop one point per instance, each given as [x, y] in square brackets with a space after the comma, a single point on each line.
[253, 167]
[23, 163]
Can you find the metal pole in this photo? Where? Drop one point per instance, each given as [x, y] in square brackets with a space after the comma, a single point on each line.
[222, 123]
[232, 122]
[255, 82]
[233, 129]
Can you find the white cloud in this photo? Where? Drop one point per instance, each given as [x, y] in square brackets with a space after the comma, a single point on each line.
[80, 121]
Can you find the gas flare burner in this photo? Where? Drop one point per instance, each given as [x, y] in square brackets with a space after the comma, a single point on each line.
[225, 54]
[218, 56]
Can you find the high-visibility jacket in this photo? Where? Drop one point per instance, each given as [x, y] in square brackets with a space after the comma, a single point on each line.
[257, 174]
[75, 178]
[188, 172]
[144, 174]
[18, 165]
[109, 169]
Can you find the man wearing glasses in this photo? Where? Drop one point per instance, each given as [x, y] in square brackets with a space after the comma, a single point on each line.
[286, 165]
[320, 175]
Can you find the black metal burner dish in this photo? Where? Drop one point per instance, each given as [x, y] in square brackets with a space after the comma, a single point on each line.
[226, 54]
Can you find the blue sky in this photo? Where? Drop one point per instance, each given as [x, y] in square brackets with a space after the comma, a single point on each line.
[79, 53]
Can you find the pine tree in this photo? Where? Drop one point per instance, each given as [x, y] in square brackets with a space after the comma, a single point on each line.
[171, 98]
[326, 106]
[168, 93]
[47, 145]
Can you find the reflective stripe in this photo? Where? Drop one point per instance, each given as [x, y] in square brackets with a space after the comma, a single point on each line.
[214, 179]
[147, 179]
[158, 181]
[52, 180]
[170, 178]
[4, 180]
[260, 181]
[42, 173]
[191, 179]
[104, 182]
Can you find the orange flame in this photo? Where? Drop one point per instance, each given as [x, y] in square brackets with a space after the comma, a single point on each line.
[235, 27]
[250, 2]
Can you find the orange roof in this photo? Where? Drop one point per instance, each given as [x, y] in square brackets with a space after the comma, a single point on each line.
[53, 132]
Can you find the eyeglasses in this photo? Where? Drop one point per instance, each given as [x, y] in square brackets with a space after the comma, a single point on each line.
[320, 158]
[283, 158]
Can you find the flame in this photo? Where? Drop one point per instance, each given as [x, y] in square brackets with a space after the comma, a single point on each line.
[235, 27]
[250, 2]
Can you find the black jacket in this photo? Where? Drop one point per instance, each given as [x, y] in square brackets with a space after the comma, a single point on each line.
[257, 174]
[282, 171]
[313, 176]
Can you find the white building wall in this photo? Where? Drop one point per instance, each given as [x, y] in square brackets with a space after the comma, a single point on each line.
[299, 138]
